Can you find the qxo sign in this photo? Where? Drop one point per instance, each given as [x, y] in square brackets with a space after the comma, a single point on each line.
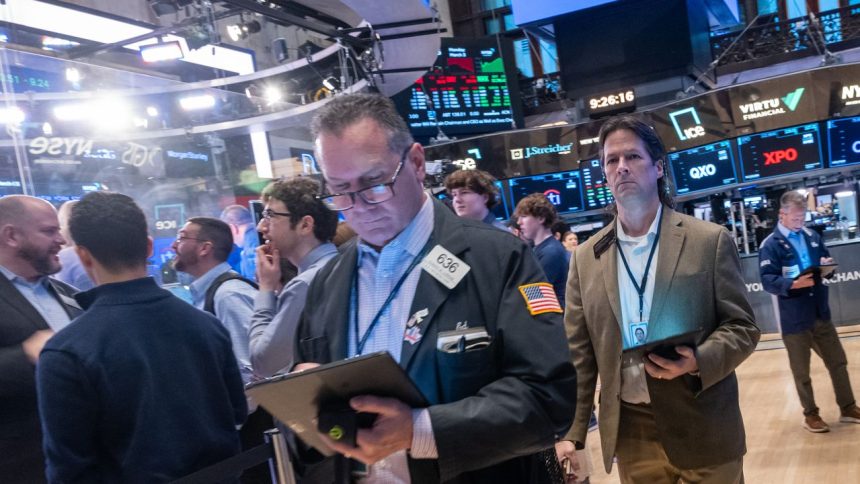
[698, 172]
[778, 156]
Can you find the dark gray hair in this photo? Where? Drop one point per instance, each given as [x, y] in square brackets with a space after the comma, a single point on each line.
[792, 199]
[653, 144]
[344, 111]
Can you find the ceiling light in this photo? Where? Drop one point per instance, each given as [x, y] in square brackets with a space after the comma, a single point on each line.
[47, 129]
[152, 111]
[161, 51]
[331, 83]
[242, 30]
[844, 194]
[272, 95]
[192, 103]
[11, 115]
[73, 75]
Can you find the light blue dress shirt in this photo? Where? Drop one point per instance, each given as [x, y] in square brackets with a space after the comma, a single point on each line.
[797, 241]
[234, 306]
[273, 335]
[378, 273]
[42, 299]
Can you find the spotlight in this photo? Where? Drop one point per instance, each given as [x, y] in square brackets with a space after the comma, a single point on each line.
[331, 83]
[161, 51]
[272, 95]
[73, 75]
[252, 91]
[198, 35]
[193, 103]
[47, 129]
[242, 30]
[152, 111]
[11, 115]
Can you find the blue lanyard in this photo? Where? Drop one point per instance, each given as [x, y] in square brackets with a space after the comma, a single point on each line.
[640, 289]
[360, 342]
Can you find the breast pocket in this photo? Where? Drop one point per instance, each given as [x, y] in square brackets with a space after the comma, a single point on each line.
[462, 374]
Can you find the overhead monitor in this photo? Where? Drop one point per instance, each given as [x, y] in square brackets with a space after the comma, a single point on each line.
[467, 91]
[594, 188]
[781, 152]
[844, 135]
[563, 190]
[703, 168]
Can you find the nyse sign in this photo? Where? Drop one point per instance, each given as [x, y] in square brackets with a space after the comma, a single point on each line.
[133, 154]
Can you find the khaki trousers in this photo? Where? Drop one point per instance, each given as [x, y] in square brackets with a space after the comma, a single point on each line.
[641, 458]
[824, 340]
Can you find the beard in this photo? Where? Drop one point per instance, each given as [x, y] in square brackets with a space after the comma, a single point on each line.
[182, 263]
[42, 260]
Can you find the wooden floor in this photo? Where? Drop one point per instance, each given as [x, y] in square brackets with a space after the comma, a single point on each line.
[779, 450]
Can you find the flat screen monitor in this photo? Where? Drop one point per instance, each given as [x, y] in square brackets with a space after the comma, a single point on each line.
[594, 188]
[703, 168]
[844, 135]
[563, 190]
[780, 152]
[466, 92]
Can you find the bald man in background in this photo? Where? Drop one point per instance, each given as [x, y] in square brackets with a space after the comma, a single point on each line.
[34, 306]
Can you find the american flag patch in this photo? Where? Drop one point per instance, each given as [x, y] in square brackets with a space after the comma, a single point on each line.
[540, 298]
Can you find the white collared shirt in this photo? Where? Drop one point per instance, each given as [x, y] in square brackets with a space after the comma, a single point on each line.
[634, 389]
[41, 298]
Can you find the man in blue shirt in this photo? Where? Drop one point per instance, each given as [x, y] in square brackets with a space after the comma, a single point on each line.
[415, 277]
[298, 228]
[142, 387]
[804, 312]
[536, 216]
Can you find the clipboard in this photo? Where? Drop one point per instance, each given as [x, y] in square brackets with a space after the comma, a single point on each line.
[825, 270]
[296, 398]
[665, 347]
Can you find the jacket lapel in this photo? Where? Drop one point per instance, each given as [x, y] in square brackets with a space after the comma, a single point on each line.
[671, 242]
[430, 293]
[609, 268]
[340, 288]
[19, 303]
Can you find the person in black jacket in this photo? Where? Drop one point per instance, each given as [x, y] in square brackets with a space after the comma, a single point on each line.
[804, 311]
[142, 387]
[33, 306]
[470, 315]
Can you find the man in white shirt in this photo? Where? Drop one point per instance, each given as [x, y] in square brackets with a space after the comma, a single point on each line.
[661, 273]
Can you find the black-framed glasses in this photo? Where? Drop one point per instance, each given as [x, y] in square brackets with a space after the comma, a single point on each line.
[269, 213]
[183, 238]
[372, 195]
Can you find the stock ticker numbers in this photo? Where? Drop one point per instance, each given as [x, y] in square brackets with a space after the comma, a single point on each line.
[467, 88]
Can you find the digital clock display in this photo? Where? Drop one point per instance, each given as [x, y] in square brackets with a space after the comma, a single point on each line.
[610, 103]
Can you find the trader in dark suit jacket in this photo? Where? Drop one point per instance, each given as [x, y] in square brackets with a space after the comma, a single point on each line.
[665, 420]
[499, 383]
[32, 307]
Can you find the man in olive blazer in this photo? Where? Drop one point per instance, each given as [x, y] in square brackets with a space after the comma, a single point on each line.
[694, 426]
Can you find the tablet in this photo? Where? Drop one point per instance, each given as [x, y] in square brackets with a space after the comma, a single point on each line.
[295, 399]
[666, 347]
[826, 270]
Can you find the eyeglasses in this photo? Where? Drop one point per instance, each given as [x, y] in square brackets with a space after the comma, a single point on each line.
[371, 195]
[183, 238]
[269, 213]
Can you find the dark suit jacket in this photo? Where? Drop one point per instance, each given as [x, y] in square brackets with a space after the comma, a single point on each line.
[490, 407]
[20, 433]
[698, 282]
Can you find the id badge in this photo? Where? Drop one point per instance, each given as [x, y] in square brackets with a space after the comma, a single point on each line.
[638, 333]
[790, 272]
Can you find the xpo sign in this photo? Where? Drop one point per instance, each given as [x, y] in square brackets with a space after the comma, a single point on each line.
[778, 156]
